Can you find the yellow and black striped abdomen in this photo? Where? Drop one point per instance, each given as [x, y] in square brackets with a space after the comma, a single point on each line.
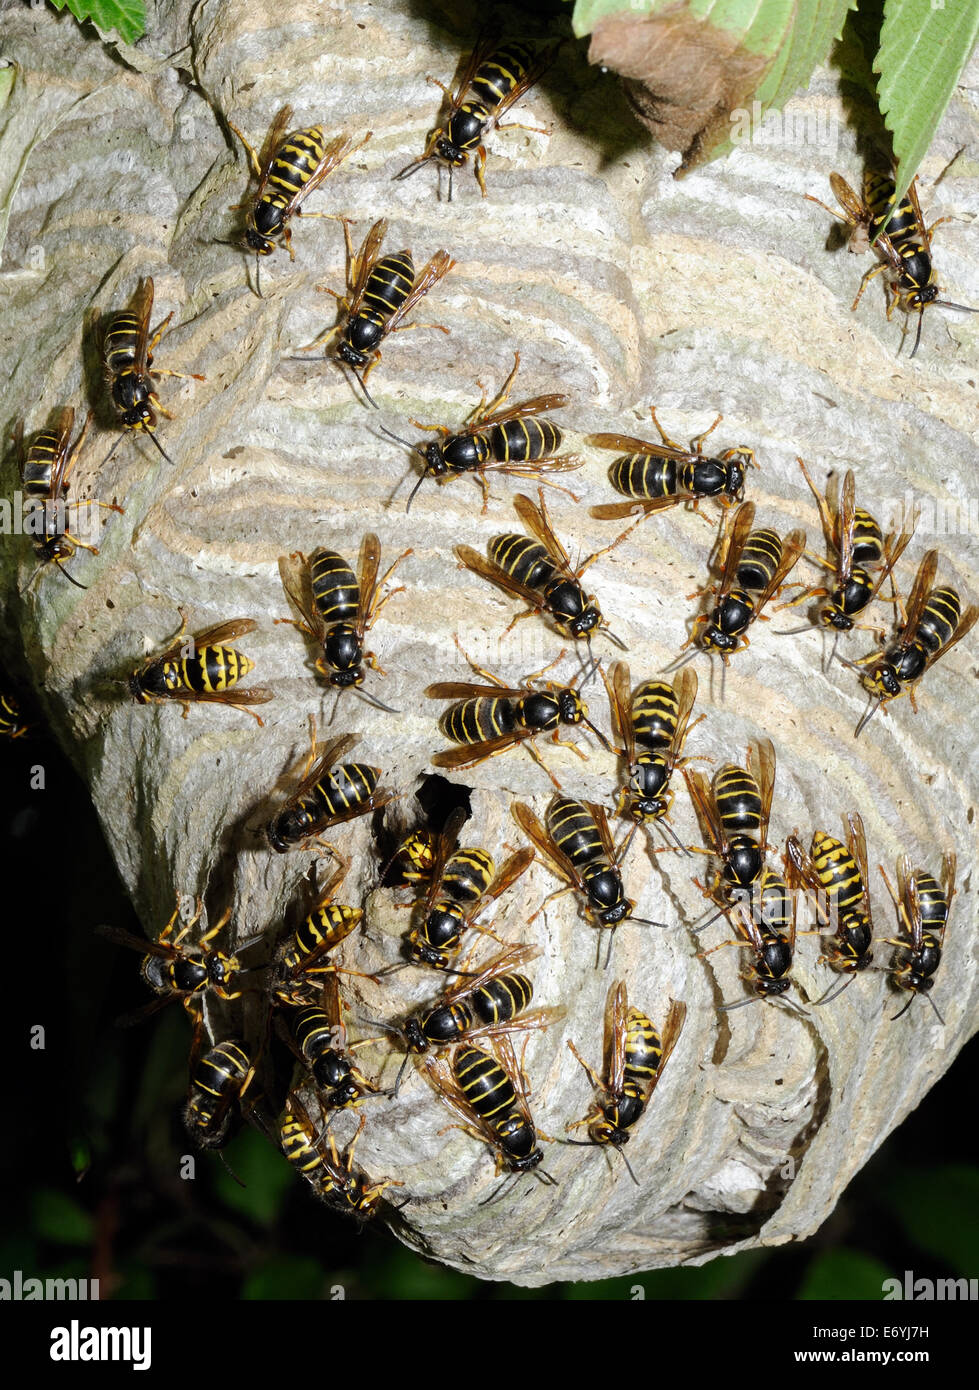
[304, 1156]
[46, 448]
[837, 872]
[336, 592]
[738, 799]
[655, 709]
[573, 830]
[502, 999]
[119, 342]
[388, 286]
[519, 441]
[868, 539]
[644, 475]
[346, 787]
[324, 928]
[496, 78]
[209, 671]
[478, 720]
[932, 901]
[939, 619]
[524, 560]
[759, 559]
[467, 875]
[224, 1067]
[291, 169]
[484, 1084]
[643, 1050]
[11, 724]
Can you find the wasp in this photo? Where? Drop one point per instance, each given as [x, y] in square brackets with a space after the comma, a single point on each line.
[734, 812]
[219, 1082]
[772, 942]
[330, 1174]
[301, 964]
[511, 440]
[934, 622]
[494, 717]
[321, 1039]
[338, 610]
[857, 541]
[489, 1088]
[463, 884]
[491, 1002]
[174, 971]
[329, 792]
[836, 873]
[45, 468]
[635, 1056]
[577, 847]
[899, 238]
[381, 293]
[200, 670]
[756, 565]
[923, 906]
[656, 476]
[539, 572]
[127, 360]
[12, 724]
[655, 720]
[494, 78]
[289, 168]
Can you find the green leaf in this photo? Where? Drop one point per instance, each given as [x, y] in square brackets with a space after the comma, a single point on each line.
[61, 1219]
[840, 1275]
[126, 17]
[924, 45]
[929, 1203]
[286, 1277]
[266, 1175]
[750, 50]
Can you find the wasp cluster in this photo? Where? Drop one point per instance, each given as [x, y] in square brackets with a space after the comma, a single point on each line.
[470, 1035]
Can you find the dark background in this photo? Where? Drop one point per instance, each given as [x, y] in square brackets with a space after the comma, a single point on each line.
[94, 1131]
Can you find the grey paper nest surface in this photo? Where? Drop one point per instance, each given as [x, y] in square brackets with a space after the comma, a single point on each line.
[622, 288]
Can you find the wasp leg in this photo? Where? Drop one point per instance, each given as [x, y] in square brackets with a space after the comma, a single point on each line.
[868, 276]
[252, 156]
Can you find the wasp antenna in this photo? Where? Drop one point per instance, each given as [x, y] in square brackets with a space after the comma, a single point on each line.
[866, 718]
[792, 631]
[229, 1170]
[629, 1168]
[680, 661]
[363, 385]
[411, 496]
[67, 576]
[258, 276]
[393, 969]
[667, 829]
[617, 640]
[391, 435]
[917, 336]
[163, 451]
[947, 304]
[112, 451]
[409, 169]
[738, 1004]
[373, 700]
[833, 993]
[600, 736]
[401, 1072]
[935, 1007]
[901, 1012]
[645, 922]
